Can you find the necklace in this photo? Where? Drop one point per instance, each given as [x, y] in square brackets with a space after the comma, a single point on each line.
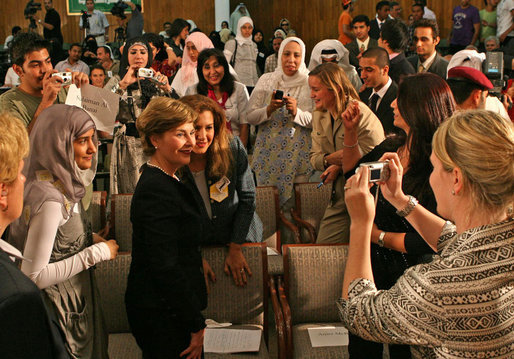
[155, 166]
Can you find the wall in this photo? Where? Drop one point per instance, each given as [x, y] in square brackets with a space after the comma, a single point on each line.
[312, 19]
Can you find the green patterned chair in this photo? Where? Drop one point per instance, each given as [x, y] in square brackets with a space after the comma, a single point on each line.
[112, 283]
[313, 281]
[244, 307]
[97, 210]
[268, 209]
[121, 227]
[311, 203]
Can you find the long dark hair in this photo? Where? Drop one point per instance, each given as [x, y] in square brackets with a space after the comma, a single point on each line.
[158, 42]
[423, 107]
[227, 82]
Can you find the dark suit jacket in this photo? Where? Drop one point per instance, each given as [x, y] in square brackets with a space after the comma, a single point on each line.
[384, 111]
[374, 29]
[400, 67]
[438, 67]
[354, 50]
[166, 269]
[26, 331]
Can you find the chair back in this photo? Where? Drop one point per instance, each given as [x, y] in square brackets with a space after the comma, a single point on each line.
[97, 210]
[268, 208]
[311, 203]
[121, 227]
[238, 305]
[313, 279]
[112, 277]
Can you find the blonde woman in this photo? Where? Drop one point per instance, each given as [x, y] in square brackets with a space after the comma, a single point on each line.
[458, 305]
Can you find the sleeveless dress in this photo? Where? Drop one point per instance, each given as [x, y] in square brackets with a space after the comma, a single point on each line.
[75, 302]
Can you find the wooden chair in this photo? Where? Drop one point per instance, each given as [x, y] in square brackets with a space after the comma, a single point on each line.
[112, 283]
[97, 210]
[313, 281]
[121, 227]
[310, 206]
[268, 209]
[244, 307]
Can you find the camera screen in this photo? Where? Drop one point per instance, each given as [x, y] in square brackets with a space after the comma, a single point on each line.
[375, 174]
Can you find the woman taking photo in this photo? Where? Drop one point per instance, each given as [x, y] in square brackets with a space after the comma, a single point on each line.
[220, 158]
[186, 75]
[166, 289]
[343, 128]
[396, 245]
[456, 305]
[136, 92]
[281, 153]
[55, 232]
[241, 53]
[216, 82]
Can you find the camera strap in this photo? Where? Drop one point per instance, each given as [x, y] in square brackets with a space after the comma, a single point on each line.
[233, 58]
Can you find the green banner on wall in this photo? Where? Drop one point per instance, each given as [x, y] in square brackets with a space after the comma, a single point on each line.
[75, 6]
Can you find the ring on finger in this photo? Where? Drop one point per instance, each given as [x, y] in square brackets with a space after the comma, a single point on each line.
[346, 187]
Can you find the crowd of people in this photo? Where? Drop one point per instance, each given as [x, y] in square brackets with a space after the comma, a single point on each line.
[429, 268]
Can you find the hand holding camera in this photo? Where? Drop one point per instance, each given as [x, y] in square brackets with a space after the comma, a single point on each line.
[156, 77]
[277, 101]
[66, 77]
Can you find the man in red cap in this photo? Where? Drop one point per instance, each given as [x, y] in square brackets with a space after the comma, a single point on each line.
[470, 87]
[344, 25]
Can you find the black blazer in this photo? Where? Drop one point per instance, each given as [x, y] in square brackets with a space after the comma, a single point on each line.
[400, 67]
[438, 67]
[354, 50]
[384, 111]
[26, 332]
[166, 269]
[374, 29]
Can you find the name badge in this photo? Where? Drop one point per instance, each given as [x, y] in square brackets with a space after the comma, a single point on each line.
[219, 190]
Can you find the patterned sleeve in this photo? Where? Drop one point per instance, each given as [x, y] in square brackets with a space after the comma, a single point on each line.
[448, 232]
[408, 313]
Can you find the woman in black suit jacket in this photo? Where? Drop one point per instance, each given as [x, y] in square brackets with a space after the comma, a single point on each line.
[166, 289]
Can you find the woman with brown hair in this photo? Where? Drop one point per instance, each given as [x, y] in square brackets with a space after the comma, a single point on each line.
[166, 290]
[223, 185]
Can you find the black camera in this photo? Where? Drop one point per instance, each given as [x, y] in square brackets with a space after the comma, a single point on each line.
[29, 12]
[493, 67]
[85, 19]
[118, 9]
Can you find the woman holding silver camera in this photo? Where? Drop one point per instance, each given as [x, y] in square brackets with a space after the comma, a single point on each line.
[457, 305]
[281, 153]
[396, 245]
[136, 91]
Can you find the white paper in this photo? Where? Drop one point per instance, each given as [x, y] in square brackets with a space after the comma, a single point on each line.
[328, 336]
[271, 251]
[102, 105]
[231, 340]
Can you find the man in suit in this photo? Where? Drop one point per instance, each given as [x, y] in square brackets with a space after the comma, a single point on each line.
[382, 15]
[362, 41]
[393, 38]
[426, 38]
[380, 90]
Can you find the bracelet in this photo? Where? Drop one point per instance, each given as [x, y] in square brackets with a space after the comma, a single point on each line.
[408, 208]
[352, 146]
[381, 237]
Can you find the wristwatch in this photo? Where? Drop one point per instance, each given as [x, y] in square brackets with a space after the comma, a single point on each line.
[381, 237]
[408, 208]
[325, 162]
[39, 20]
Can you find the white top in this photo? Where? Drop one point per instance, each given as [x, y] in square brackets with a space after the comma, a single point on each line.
[8, 39]
[97, 23]
[381, 93]
[492, 103]
[236, 106]
[203, 188]
[504, 17]
[245, 62]
[40, 242]
[180, 85]
[429, 14]
[11, 78]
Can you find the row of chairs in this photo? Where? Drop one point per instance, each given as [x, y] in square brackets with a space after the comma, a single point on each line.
[303, 285]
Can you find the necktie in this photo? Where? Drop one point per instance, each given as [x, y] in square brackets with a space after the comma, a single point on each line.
[362, 48]
[373, 102]
[421, 68]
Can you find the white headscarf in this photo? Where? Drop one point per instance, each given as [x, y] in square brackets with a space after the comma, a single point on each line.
[342, 58]
[300, 77]
[239, 35]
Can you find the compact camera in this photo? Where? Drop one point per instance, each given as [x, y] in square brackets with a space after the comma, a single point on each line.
[379, 171]
[279, 95]
[65, 76]
[149, 74]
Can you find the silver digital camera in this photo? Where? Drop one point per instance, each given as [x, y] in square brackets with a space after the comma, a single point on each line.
[379, 171]
[145, 73]
[65, 76]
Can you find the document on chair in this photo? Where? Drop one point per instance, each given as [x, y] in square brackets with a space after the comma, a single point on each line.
[231, 340]
[328, 336]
